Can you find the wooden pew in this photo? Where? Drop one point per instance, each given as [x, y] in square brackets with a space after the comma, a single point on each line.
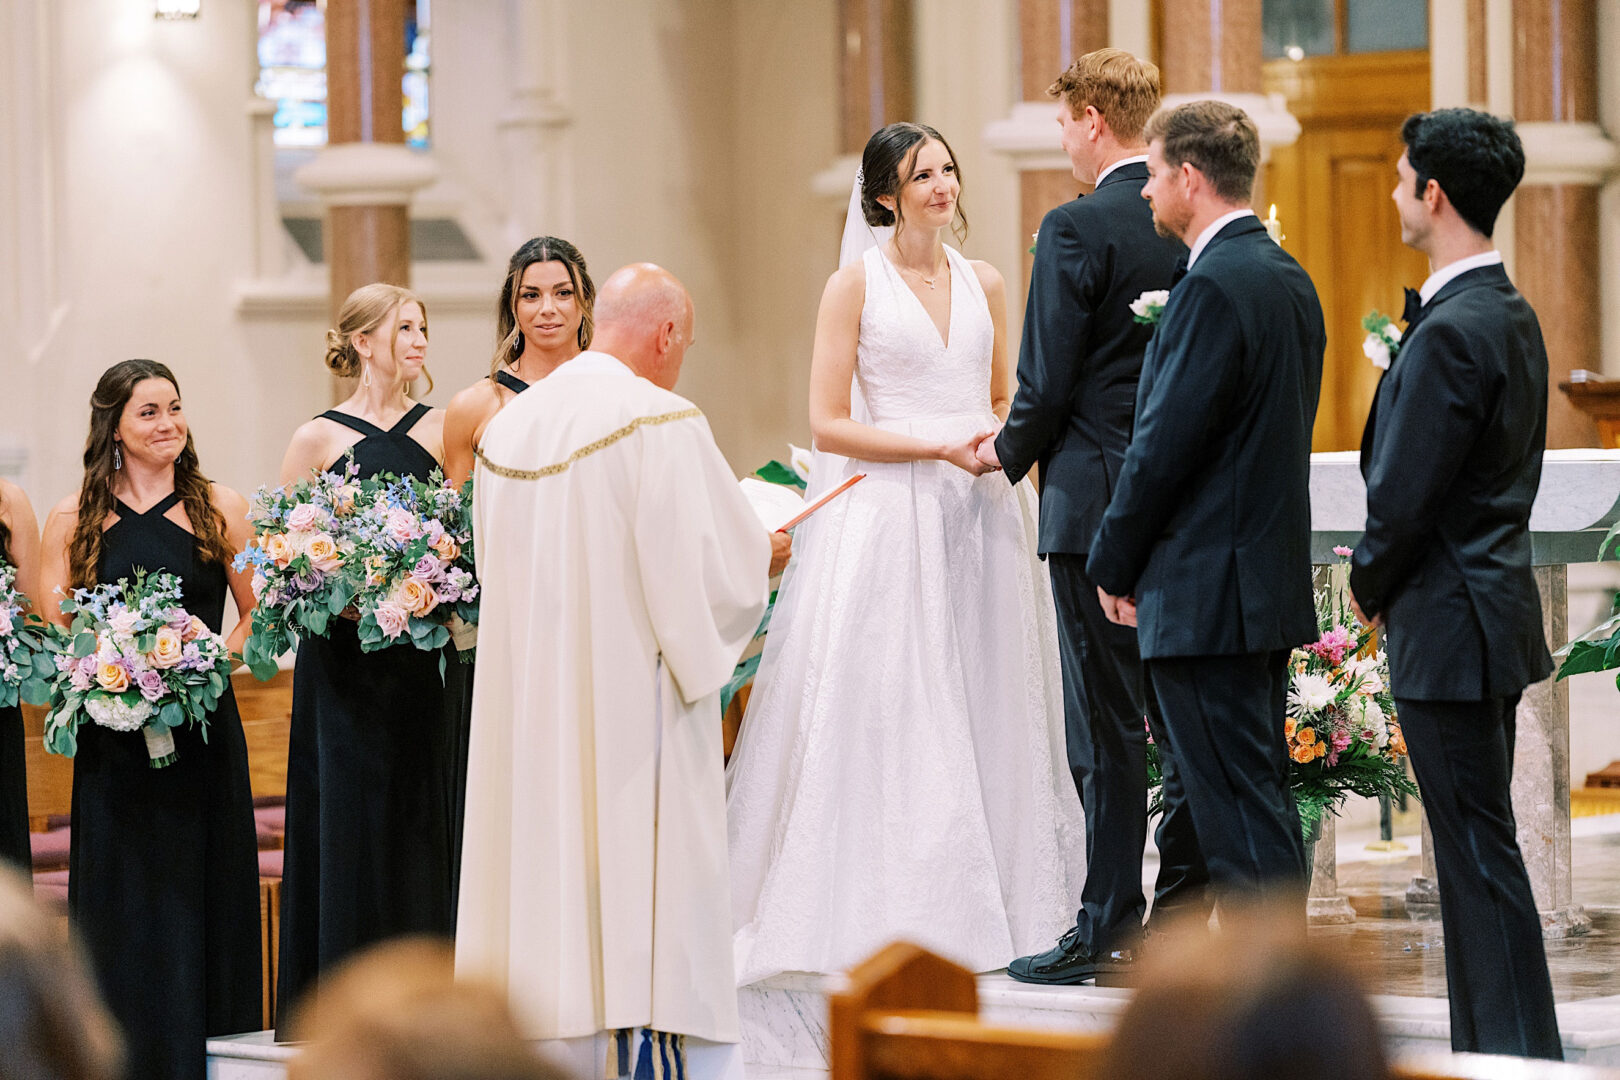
[906, 1014]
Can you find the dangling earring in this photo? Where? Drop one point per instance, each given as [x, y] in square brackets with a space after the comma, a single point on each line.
[365, 373]
[118, 458]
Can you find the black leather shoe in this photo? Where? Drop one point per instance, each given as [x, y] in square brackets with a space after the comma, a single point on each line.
[1120, 967]
[1070, 963]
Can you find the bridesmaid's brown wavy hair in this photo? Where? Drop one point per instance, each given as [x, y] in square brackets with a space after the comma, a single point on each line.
[538, 250]
[112, 393]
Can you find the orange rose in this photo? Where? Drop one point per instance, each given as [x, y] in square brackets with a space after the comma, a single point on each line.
[112, 678]
[1288, 727]
[1321, 750]
[446, 548]
[1306, 736]
[279, 548]
[167, 648]
[1302, 754]
[416, 597]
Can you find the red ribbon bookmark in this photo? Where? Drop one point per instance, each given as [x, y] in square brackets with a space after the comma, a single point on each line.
[823, 501]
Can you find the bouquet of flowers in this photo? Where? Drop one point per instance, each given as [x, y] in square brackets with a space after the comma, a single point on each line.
[1341, 731]
[300, 561]
[133, 659]
[26, 667]
[413, 563]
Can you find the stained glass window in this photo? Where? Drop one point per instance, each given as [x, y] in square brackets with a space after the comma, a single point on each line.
[292, 70]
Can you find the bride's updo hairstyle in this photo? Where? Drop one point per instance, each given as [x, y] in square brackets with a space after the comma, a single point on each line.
[367, 308]
[887, 162]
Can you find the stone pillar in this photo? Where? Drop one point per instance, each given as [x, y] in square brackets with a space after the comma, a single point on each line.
[1556, 223]
[1324, 906]
[876, 84]
[534, 125]
[1423, 895]
[1541, 775]
[365, 176]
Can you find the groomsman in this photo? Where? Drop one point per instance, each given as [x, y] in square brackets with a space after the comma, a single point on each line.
[1205, 546]
[1077, 374]
[1452, 459]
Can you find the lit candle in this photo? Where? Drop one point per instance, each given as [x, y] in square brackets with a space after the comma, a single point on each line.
[1273, 226]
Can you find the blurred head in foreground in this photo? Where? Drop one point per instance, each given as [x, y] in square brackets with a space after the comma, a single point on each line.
[1252, 1002]
[52, 1023]
[396, 1013]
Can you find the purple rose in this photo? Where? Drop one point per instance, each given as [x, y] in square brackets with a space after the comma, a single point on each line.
[179, 620]
[427, 569]
[307, 581]
[151, 684]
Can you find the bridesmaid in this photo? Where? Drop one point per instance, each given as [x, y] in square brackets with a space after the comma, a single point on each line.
[19, 548]
[543, 320]
[163, 880]
[368, 799]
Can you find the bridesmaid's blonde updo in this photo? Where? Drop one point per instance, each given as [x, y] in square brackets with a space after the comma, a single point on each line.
[367, 308]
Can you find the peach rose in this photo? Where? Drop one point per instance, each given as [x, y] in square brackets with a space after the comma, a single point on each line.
[112, 678]
[195, 629]
[279, 548]
[323, 553]
[1306, 736]
[1302, 754]
[416, 597]
[445, 547]
[167, 648]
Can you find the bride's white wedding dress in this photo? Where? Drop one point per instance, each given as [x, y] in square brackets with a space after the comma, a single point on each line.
[901, 770]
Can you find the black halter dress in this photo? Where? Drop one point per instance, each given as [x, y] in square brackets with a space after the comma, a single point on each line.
[14, 845]
[368, 794]
[163, 880]
[459, 688]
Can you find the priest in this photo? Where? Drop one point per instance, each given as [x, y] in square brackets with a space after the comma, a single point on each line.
[623, 574]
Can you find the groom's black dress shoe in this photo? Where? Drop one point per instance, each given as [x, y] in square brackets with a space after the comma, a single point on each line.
[1073, 962]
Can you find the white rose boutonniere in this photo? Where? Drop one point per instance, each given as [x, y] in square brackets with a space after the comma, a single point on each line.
[1383, 339]
[1149, 307]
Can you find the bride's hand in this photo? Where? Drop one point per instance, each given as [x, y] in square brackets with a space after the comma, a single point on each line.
[964, 455]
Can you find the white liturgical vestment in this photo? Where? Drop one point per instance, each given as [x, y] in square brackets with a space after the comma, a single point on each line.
[623, 574]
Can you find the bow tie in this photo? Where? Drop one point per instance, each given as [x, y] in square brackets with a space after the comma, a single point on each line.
[1413, 310]
[1180, 271]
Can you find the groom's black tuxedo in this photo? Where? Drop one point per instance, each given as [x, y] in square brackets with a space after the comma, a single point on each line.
[1452, 458]
[1209, 529]
[1078, 368]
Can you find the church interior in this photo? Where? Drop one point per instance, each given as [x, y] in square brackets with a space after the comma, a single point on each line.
[202, 182]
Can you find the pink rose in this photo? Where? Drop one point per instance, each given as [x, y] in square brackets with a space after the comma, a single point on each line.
[195, 628]
[303, 517]
[1342, 551]
[391, 619]
[401, 525]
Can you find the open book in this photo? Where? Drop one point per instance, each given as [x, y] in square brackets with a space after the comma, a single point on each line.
[781, 507]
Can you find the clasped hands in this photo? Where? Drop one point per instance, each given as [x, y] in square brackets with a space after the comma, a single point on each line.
[976, 454]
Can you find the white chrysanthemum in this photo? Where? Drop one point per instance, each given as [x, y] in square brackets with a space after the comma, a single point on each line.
[1310, 693]
[1372, 722]
[115, 713]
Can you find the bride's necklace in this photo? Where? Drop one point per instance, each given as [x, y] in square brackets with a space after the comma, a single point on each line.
[931, 282]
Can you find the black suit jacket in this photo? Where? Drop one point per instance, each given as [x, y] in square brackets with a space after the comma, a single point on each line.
[1081, 355]
[1452, 458]
[1210, 526]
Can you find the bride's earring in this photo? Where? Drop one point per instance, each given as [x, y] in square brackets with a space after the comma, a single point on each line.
[118, 458]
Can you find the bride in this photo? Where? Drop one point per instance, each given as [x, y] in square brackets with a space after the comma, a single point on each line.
[901, 770]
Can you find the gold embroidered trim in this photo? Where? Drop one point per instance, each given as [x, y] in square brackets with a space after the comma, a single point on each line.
[588, 449]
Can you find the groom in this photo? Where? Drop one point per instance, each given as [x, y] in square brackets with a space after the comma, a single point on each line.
[1077, 374]
[1205, 545]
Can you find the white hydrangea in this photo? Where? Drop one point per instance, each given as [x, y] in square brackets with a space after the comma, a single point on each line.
[111, 711]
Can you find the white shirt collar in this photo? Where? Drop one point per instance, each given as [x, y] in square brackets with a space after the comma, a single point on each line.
[1440, 277]
[1209, 233]
[1122, 161]
[591, 362]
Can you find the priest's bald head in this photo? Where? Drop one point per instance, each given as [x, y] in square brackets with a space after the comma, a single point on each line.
[644, 318]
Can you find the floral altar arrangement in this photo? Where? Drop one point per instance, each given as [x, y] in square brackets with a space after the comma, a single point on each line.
[133, 659]
[789, 481]
[26, 666]
[394, 554]
[1342, 735]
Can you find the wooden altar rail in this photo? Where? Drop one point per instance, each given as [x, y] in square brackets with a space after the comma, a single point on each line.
[907, 1014]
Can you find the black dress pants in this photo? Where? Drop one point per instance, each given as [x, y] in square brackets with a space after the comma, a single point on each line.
[1496, 967]
[1104, 706]
[1223, 734]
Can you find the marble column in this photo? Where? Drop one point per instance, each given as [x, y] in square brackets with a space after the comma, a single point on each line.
[365, 176]
[1324, 906]
[534, 127]
[1423, 894]
[1541, 775]
[1556, 225]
